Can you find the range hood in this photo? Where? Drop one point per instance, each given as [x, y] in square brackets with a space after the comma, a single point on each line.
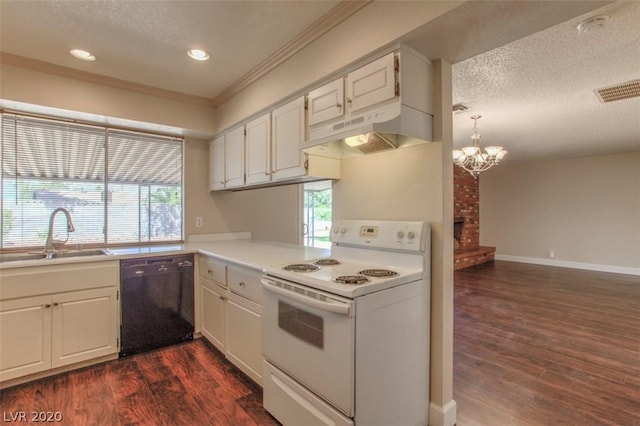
[389, 127]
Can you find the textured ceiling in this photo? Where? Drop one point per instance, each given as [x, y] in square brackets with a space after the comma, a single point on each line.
[536, 96]
[522, 65]
[145, 42]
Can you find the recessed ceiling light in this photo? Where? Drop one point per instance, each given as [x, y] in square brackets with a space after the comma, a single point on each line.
[83, 54]
[593, 23]
[198, 55]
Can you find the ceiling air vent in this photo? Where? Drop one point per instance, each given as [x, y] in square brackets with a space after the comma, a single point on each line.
[630, 89]
[460, 107]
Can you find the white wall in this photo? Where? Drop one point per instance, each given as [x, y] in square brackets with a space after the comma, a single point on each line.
[402, 184]
[586, 210]
[41, 89]
[269, 213]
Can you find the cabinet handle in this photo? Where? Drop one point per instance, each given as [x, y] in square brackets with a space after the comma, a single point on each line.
[209, 271]
[339, 105]
[222, 298]
[349, 101]
[48, 305]
[222, 182]
[55, 303]
[241, 283]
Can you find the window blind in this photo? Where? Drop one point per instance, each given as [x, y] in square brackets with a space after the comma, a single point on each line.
[145, 182]
[101, 175]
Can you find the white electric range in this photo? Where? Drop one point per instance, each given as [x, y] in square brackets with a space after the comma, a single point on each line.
[346, 337]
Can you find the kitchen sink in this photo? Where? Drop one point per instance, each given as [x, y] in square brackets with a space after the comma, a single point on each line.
[12, 257]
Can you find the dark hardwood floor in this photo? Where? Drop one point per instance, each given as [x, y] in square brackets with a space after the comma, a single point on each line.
[533, 345]
[538, 345]
[186, 384]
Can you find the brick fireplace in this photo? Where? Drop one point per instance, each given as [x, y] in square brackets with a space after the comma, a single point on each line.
[466, 211]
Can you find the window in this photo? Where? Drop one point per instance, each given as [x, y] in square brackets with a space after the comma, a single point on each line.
[119, 186]
[317, 214]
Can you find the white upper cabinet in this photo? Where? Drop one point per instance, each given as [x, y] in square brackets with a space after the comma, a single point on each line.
[266, 150]
[287, 133]
[234, 157]
[367, 86]
[258, 150]
[216, 164]
[372, 84]
[326, 102]
[226, 160]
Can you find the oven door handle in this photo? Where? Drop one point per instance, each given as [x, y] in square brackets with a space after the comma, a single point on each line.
[330, 305]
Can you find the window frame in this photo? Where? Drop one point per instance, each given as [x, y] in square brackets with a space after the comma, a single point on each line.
[308, 188]
[105, 183]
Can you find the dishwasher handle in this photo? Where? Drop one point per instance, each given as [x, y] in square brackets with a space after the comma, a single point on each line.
[154, 266]
[309, 298]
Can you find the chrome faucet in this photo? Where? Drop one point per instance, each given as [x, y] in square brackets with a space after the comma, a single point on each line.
[49, 249]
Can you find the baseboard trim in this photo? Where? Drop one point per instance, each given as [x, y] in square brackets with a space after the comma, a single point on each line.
[568, 264]
[442, 416]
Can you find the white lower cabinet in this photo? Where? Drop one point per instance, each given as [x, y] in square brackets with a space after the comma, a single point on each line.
[244, 336]
[84, 325]
[44, 332]
[48, 319]
[231, 314]
[212, 298]
[25, 336]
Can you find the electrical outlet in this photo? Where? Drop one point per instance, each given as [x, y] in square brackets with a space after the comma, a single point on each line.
[198, 222]
[552, 254]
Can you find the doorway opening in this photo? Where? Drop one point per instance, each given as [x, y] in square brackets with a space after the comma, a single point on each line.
[316, 211]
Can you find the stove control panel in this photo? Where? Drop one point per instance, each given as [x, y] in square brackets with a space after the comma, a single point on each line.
[395, 235]
[369, 232]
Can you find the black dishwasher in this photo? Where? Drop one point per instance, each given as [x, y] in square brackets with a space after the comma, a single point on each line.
[157, 302]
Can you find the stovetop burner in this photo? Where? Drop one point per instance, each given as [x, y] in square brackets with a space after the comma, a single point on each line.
[351, 279]
[326, 262]
[301, 267]
[378, 273]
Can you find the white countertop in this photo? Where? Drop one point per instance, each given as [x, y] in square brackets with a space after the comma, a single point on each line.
[257, 254]
[253, 254]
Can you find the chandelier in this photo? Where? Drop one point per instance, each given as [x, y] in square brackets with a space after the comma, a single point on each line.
[472, 159]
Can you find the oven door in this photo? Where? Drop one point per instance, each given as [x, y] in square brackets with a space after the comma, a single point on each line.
[310, 335]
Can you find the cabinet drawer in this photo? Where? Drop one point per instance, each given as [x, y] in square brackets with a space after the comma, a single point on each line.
[214, 270]
[245, 283]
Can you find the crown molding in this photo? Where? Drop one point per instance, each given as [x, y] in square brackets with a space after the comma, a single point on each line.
[61, 71]
[323, 25]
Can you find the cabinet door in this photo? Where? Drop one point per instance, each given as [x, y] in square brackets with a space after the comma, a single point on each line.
[216, 164]
[287, 131]
[85, 325]
[244, 336]
[25, 336]
[234, 157]
[258, 147]
[326, 103]
[212, 299]
[371, 84]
